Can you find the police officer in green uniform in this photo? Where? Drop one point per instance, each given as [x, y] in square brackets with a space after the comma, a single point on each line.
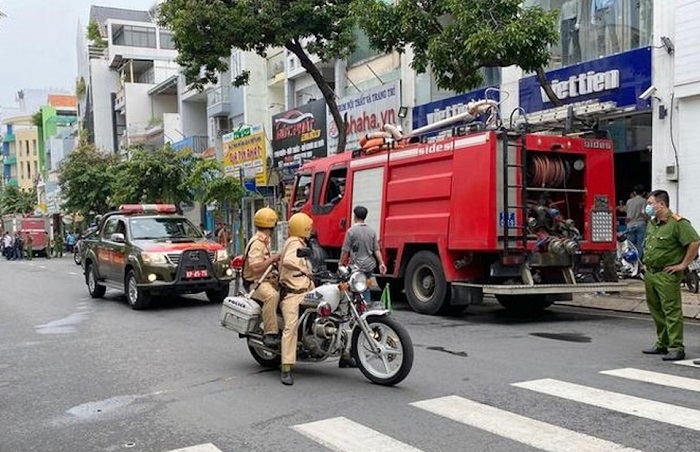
[670, 245]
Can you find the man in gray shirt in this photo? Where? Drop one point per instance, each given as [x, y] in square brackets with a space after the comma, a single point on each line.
[361, 246]
[636, 219]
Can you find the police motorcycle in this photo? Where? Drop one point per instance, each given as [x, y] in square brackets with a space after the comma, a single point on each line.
[334, 317]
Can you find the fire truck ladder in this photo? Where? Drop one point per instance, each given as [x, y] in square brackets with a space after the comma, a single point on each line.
[514, 177]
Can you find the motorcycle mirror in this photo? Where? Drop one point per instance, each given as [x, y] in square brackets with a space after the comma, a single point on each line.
[304, 252]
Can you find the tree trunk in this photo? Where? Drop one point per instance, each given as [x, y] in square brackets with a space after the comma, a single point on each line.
[328, 94]
[544, 83]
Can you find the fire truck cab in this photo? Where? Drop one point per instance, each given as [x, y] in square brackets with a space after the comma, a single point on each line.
[510, 213]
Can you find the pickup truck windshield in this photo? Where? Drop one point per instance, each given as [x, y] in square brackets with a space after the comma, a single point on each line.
[163, 229]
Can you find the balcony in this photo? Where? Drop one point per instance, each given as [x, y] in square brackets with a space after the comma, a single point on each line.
[10, 159]
[11, 182]
[196, 144]
[148, 134]
[275, 69]
[219, 102]
[9, 138]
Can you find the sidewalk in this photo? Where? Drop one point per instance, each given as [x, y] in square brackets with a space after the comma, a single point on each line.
[632, 300]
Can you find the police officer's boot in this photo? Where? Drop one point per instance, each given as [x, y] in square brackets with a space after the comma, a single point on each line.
[286, 376]
[271, 340]
[347, 361]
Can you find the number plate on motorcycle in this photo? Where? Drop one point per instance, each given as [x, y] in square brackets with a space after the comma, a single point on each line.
[196, 274]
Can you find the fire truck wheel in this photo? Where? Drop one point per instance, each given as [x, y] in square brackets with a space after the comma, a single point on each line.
[426, 287]
[524, 303]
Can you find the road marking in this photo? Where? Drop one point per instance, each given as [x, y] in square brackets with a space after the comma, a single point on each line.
[343, 435]
[516, 427]
[208, 447]
[636, 406]
[687, 362]
[73, 273]
[691, 384]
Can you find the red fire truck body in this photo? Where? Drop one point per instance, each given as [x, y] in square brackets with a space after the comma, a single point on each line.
[453, 215]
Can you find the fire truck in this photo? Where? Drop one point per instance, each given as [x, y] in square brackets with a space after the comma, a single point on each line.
[482, 210]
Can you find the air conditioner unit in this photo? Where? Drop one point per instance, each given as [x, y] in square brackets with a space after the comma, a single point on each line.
[672, 173]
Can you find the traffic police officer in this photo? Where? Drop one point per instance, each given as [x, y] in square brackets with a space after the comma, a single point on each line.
[670, 245]
[295, 281]
[257, 260]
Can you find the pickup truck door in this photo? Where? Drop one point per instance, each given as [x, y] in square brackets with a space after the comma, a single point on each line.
[106, 249]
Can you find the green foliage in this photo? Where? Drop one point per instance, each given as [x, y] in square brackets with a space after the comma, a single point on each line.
[211, 184]
[15, 200]
[86, 178]
[95, 36]
[456, 38]
[38, 119]
[205, 31]
[155, 176]
[80, 87]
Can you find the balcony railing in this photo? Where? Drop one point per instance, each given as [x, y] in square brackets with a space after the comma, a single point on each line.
[197, 144]
[219, 101]
[10, 159]
[11, 182]
[9, 138]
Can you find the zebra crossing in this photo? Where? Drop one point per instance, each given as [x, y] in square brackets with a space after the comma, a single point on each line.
[346, 435]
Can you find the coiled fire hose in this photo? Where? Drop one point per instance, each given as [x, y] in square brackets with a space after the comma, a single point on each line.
[548, 171]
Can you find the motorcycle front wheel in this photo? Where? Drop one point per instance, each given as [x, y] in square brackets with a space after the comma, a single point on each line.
[692, 281]
[393, 362]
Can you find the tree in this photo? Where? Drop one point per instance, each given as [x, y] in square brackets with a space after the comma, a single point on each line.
[456, 38]
[94, 35]
[212, 185]
[205, 31]
[160, 176]
[86, 178]
[14, 200]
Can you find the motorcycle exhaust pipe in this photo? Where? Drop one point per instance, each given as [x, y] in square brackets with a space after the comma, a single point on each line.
[258, 343]
[326, 331]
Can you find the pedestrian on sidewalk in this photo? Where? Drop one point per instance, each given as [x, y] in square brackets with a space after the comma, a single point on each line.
[670, 245]
[58, 244]
[30, 246]
[636, 219]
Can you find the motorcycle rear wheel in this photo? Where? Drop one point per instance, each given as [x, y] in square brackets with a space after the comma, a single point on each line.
[393, 364]
[264, 358]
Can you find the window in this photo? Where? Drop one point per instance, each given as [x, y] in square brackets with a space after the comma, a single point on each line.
[21, 168]
[34, 146]
[591, 29]
[336, 186]
[166, 40]
[27, 145]
[36, 167]
[163, 228]
[301, 191]
[110, 228]
[133, 36]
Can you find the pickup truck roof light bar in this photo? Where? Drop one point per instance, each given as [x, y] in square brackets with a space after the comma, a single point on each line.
[130, 209]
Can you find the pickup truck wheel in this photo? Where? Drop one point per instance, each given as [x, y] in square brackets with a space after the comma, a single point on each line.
[95, 289]
[425, 284]
[137, 298]
[524, 303]
[217, 296]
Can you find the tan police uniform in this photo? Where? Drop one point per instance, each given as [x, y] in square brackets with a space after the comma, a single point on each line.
[295, 286]
[267, 292]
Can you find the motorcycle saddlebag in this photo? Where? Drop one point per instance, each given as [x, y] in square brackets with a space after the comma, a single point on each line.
[240, 314]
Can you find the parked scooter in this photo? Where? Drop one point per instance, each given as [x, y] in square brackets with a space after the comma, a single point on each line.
[628, 263]
[334, 318]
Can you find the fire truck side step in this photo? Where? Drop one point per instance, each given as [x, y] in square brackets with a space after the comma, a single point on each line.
[526, 289]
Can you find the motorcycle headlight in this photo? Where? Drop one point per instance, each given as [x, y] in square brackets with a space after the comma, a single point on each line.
[358, 282]
[221, 255]
[154, 258]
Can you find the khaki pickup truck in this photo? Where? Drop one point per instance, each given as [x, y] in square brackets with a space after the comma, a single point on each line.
[148, 249]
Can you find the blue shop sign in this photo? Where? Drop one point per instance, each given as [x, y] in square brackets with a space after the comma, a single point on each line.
[618, 78]
[440, 109]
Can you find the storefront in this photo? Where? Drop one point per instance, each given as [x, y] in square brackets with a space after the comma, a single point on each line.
[616, 81]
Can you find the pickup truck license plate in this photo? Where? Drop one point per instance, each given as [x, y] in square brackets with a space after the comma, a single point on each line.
[196, 274]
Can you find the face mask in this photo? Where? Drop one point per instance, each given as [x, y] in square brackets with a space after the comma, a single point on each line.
[649, 210]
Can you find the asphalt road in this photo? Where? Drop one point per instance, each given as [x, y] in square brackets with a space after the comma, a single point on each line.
[78, 374]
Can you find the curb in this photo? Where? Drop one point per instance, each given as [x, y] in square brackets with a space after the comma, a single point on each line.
[624, 303]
